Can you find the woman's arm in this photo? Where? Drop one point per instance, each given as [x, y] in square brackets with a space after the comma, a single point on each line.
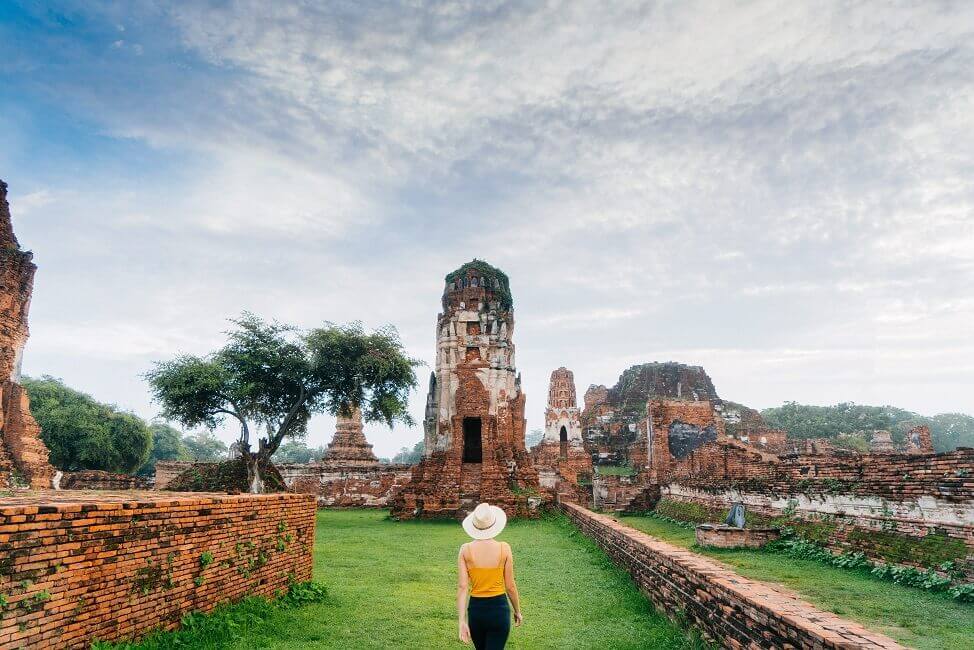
[463, 585]
[511, 586]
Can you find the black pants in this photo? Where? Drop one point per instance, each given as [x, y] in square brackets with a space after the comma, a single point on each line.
[490, 622]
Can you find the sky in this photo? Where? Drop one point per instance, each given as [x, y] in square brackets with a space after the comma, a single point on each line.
[778, 191]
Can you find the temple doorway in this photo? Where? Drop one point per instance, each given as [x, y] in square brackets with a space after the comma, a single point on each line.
[563, 440]
[472, 443]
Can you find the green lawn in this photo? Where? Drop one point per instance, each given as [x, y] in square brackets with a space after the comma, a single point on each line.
[393, 585]
[913, 617]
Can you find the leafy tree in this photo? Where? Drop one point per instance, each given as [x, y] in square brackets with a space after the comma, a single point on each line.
[296, 451]
[82, 433]
[204, 447]
[271, 378]
[167, 444]
[948, 430]
[409, 456]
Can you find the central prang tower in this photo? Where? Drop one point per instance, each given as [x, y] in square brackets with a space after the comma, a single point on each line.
[474, 426]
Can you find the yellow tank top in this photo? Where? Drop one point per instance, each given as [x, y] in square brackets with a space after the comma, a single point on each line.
[486, 582]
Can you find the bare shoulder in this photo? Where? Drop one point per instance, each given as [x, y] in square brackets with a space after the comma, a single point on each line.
[506, 547]
[463, 547]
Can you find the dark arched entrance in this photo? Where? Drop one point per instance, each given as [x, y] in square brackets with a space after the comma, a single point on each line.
[473, 446]
[563, 440]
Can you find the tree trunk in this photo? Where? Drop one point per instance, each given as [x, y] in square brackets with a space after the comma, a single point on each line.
[255, 483]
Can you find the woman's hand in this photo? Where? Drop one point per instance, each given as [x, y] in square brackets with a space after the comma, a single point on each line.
[464, 633]
[518, 619]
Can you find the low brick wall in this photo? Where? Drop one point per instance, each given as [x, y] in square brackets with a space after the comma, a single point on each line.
[348, 485]
[729, 537]
[727, 608]
[80, 566]
[94, 479]
[919, 533]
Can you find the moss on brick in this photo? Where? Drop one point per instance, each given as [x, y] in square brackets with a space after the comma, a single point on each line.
[228, 476]
[929, 550]
[684, 511]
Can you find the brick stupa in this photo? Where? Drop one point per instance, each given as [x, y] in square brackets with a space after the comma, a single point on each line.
[562, 449]
[348, 446]
[23, 455]
[474, 428]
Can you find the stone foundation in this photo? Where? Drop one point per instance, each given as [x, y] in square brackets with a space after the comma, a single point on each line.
[719, 536]
[728, 609]
[77, 566]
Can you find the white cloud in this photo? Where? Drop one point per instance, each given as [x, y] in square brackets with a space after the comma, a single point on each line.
[778, 191]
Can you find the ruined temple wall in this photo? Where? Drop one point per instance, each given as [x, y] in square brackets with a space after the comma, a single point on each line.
[81, 566]
[729, 610]
[677, 429]
[24, 451]
[335, 485]
[96, 479]
[908, 509]
[367, 486]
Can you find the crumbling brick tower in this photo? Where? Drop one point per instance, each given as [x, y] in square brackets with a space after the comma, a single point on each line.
[474, 429]
[22, 452]
[348, 446]
[562, 448]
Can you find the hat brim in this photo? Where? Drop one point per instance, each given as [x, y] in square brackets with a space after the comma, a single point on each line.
[500, 520]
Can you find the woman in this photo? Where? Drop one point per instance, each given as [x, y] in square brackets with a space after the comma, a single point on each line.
[485, 569]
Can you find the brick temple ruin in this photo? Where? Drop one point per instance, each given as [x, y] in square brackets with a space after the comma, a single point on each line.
[561, 452]
[474, 427]
[348, 447]
[682, 444]
[23, 455]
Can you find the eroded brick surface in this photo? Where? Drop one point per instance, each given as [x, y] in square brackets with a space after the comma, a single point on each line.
[730, 610]
[21, 447]
[79, 566]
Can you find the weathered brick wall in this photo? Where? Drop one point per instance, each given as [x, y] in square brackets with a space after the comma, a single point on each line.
[21, 448]
[349, 486]
[167, 470]
[719, 465]
[78, 566]
[920, 533]
[96, 479]
[728, 609]
[335, 485]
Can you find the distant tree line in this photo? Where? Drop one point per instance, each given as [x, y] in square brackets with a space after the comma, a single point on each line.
[83, 433]
[948, 430]
[409, 456]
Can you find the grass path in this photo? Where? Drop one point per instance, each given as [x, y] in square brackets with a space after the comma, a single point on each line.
[393, 585]
[913, 617]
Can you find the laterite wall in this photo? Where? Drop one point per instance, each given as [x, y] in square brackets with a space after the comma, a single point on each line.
[728, 609]
[77, 566]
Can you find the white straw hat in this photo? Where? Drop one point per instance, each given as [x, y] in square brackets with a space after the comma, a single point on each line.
[486, 521]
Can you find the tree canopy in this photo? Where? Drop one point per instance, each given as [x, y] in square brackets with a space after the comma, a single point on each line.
[409, 456]
[270, 378]
[948, 430]
[297, 451]
[82, 433]
[167, 444]
[204, 447]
